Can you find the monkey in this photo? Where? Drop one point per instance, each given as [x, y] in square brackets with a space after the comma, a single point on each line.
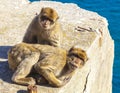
[54, 64]
[44, 29]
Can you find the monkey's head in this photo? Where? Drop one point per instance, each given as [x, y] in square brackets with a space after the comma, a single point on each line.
[47, 18]
[77, 58]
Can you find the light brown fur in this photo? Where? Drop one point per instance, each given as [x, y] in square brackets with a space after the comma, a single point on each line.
[44, 29]
[54, 64]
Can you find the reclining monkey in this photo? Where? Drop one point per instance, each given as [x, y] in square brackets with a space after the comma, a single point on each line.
[44, 29]
[56, 65]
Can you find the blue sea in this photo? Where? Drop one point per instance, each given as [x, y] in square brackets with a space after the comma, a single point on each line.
[111, 10]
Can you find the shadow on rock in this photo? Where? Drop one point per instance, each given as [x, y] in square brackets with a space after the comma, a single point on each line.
[3, 51]
[5, 72]
[21, 91]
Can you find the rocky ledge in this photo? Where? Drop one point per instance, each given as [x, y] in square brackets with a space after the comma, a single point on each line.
[84, 28]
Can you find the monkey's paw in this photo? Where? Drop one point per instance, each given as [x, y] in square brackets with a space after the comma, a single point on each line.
[65, 79]
[31, 81]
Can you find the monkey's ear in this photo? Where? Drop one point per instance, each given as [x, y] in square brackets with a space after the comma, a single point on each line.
[71, 48]
[42, 10]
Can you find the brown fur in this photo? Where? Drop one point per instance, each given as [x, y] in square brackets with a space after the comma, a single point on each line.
[44, 29]
[54, 64]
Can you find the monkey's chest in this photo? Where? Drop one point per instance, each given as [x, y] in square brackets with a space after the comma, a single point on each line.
[44, 38]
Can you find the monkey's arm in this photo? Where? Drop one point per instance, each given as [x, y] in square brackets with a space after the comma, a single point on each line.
[55, 42]
[48, 74]
[65, 78]
[60, 81]
[56, 39]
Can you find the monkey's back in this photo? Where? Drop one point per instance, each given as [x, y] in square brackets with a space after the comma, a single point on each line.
[49, 55]
[18, 53]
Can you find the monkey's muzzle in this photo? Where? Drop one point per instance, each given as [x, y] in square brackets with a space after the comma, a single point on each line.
[73, 65]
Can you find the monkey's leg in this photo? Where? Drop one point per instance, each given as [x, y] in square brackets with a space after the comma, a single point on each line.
[24, 69]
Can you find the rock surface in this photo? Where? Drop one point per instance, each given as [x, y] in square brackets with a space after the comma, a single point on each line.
[94, 77]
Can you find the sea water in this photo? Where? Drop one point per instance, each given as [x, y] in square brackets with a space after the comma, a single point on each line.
[109, 9]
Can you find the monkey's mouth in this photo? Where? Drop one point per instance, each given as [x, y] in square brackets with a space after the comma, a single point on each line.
[45, 26]
[73, 65]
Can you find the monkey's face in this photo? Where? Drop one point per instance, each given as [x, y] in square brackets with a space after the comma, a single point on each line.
[77, 58]
[75, 62]
[78, 52]
[46, 23]
[48, 18]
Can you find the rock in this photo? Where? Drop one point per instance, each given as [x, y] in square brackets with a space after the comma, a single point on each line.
[92, 35]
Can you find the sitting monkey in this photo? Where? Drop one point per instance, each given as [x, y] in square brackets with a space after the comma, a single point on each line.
[54, 64]
[44, 29]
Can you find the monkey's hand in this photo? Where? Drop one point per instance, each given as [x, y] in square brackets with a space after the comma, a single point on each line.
[66, 77]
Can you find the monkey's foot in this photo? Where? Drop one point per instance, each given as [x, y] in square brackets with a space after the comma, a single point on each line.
[32, 89]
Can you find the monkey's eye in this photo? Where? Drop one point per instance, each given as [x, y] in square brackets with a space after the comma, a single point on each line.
[72, 57]
[43, 18]
[51, 22]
